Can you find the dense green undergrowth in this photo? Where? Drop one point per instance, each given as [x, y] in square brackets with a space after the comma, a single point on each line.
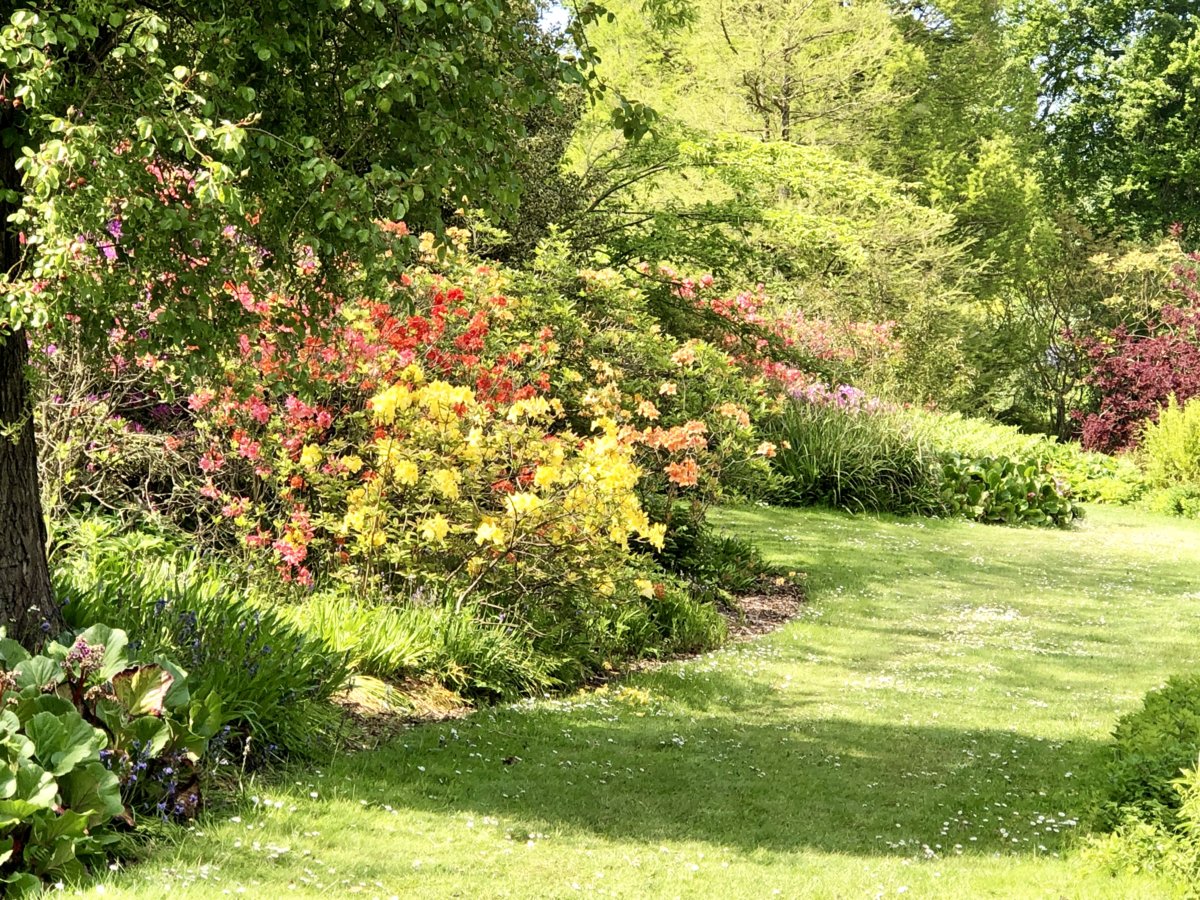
[279, 661]
[881, 458]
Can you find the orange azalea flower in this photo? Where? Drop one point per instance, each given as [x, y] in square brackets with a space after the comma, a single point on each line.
[735, 412]
[689, 436]
[684, 474]
[684, 356]
[648, 409]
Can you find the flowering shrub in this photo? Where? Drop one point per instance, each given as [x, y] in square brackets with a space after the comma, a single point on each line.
[479, 430]
[844, 396]
[779, 342]
[516, 440]
[689, 409]
[88, 736]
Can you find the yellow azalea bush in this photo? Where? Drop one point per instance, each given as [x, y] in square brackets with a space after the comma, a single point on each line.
[487, 495]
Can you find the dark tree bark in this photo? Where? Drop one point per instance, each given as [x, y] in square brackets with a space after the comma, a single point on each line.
[27, 607]
[28, 611]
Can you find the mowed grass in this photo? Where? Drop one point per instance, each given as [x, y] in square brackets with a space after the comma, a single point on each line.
[927, 728]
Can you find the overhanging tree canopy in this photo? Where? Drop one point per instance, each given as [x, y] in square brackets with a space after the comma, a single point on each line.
[149, 148]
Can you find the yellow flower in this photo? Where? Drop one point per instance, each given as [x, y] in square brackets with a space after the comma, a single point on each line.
[385, 405]
[440, 397]
[355, 520]
[310, 456]
[636, 519]
[645, 588]
[546, 476]
[445, 482]
[531, 408]
[616, 532]
[655, 535]
[521, 504]
[353, 464]
[405, 471]
[435, 529]
[489, 532]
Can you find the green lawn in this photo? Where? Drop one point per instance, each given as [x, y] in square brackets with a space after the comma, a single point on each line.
[926, 728]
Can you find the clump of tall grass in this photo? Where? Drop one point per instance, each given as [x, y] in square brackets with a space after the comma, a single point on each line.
[877, 460]
[426, 637]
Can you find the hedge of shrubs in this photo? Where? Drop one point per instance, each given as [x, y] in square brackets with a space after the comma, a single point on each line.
[1149, 787]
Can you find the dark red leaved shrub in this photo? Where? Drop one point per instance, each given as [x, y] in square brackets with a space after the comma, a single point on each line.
[1134, 372]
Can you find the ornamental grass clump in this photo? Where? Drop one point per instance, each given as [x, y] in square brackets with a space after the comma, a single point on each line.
[839, 448]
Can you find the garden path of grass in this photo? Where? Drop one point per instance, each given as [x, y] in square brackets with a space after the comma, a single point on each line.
[924, 729]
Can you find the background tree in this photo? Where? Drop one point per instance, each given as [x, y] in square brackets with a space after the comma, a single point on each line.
[1118, 83]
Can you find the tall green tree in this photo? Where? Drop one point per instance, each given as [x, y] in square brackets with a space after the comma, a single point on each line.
[1119, 82]
[147, 149]
[762, 167]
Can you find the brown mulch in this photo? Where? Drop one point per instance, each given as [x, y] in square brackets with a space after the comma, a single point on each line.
[371, 719]
[764, 611]
[775, 603]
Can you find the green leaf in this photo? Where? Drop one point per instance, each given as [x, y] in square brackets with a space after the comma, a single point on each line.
[36, 785]
[206, 716]
[178, 695]
[12, 653]
[68, 823]
[21, 884]
[62, 742]
[38, 672]
[93, 790]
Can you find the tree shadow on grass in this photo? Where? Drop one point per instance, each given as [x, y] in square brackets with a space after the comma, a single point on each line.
[748, 777]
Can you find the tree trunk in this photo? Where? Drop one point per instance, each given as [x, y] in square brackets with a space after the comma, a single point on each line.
[27, 608]
[785, 99]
